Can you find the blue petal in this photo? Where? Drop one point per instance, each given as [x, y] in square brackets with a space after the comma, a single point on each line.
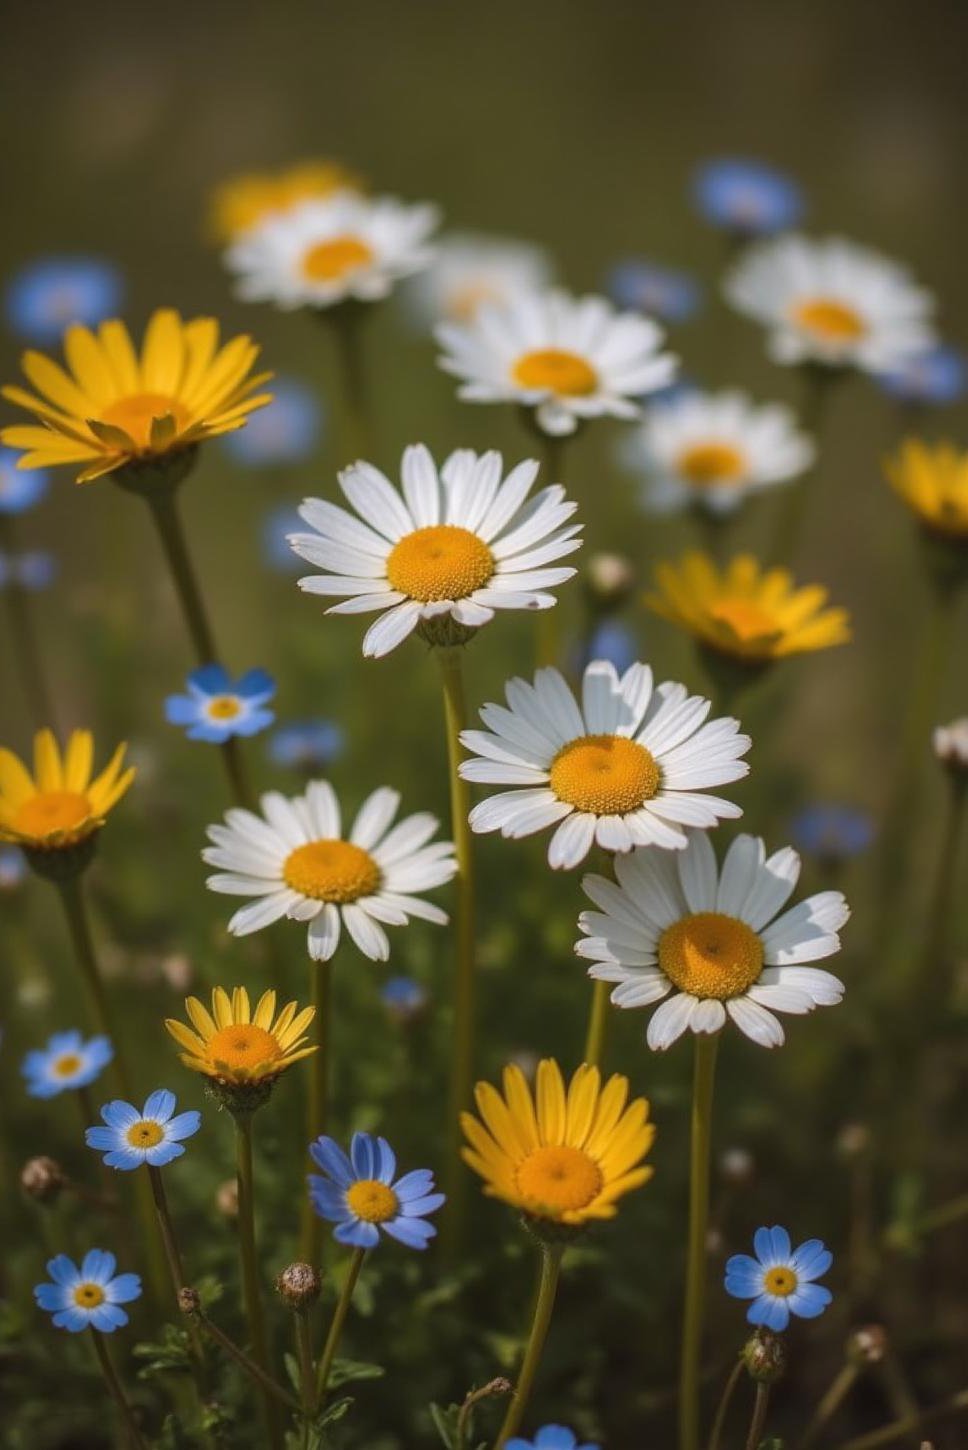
[744, 1285]
[329, 1156]
[212, 733]
[210, 679]
[159, 1105]
[98, 1266]
[771, 1311]
[107, 1318]
[102, 1139]
[415, 1184]
[782, 1249]
[70, 1041]
[52, 1296]
[738, 1264]
[386, 1161]
[762, 1246]
[809, 1300]
[555, 1437]
[73, 1319]
[125, 1158]
[99, 1052]
[416, 1233]
[417, 1207]
[361, 1235]
[163, 1153]
[184, 1126]
[63, 1270]
[120, 1115]
[256, 682]
[253, 722]
[811, 1260]
[328, 1200]
[364, 1155]
[123, 1288]
[181, 710]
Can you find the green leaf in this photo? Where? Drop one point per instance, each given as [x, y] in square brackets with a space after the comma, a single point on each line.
[170, 1354]
[445, 1423]
[292, 1370]
[344, 1371]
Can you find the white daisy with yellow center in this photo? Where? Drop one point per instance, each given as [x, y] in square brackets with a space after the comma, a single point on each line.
[713, 450]
[568, 358]
[457, 545]
[470, 270]
[294, 861]
[325, 251]
[627, 767]
[712, 942]
[832, 302]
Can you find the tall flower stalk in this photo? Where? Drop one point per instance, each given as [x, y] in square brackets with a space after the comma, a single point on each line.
[116, 1391]
[704, 1071]
[317, 1102]
[551, 1255]
[336, 1325]
[251, 1287]
[24, 637]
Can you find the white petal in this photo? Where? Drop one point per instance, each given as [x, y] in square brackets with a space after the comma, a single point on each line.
[374, 817]
[698, 874]
[368, 935]
[572, 841]
[670, 1021]
[757, 1023]
[324, 933]
[391, 629]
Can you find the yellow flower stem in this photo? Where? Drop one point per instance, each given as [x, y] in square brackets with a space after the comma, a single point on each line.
[251, 1291]
[840, 1386]
[597, 1023]
[132, 1433]
[722, 1409]
[347, 321]
[548, 633]
[758, 1423]
[336, 1326]
[544, 1305]
[704, 1073]
[23, 636]
[321, 974]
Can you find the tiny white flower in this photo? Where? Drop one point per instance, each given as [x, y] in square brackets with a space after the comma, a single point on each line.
[469, 270]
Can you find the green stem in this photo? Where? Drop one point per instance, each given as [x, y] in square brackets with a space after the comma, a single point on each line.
[704, 1075]
[24, 636]
[169, 1242]
[320, 992]
[597, 1024]
[544, 1305]
[935, 958]
[263, 1380]
[250, 1267]
[758, 1423]
[307, 1377]
[79, 926]
[117, 1392]
[722, 1409]
[336, 1326]
[348, 321]
[840, 1387]
[900, 1429]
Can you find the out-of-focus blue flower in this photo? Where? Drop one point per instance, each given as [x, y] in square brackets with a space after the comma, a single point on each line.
[20, 488]
[13, 868]
[277, 524]
[360, 1196]
[47, 295]
[306, 745]
[151, 1136]
[87, 1297]
[218, 707]
[937, 376]
[663, 292]
[746, 197]
[834, 832]
[35, 570]
[613, 641]
[780, 1279]
[404, 998]
[287, 431]
[551, 1437]
[66, 1062]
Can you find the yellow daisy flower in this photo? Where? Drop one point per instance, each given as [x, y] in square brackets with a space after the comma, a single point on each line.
[59, 804]
[562, 1156]
[240, 202]
[237, 1046]
[742, 610]
[932, 479]
[111, 408]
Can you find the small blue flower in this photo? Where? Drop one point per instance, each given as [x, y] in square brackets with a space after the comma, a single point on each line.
[47, 295]
[663, 292]
[277, 552]
[835, 832]
[613, 641]
[746, 197]
[218, 707]
[306, 745]
[13, 868]
[359, 1195]
[152, 1136]
[20, 488]
[780, 1280]
[66, 1062]
[937, 376]
[286, 431]
[404, 998]
[551, 1437]
[34, 570]
[88, 1297]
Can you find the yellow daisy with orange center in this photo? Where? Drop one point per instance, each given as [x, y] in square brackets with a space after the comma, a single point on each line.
[236, 1045]
[932, 479]
[62, 802]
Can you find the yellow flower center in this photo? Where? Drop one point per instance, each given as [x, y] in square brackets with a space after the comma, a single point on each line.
[557, 1180]
[144, 1134]
[135, 414]
[439, 562]
[605, 774]
[329, 261]
[556, 370]
[224, 707]
[780, 1281]
[711, 955]
[51, 810]
[746, 619]
[242, 1047]
[88, 1296]
[711, 463]
[331, 871]
[372, 1201]
[829, 320]
[67, 1065]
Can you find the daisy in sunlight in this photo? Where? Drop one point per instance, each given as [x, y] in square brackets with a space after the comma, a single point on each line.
[62, 802]
[236, 1045]
[243, 201]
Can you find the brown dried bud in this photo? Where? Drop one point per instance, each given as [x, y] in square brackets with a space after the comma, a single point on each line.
[189, 1301]
[227, 1198]
[867, 1345]
[299, 1285]
[764, 1357]
[43, 1179]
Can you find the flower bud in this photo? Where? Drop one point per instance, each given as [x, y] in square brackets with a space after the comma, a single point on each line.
[227, 1198]
[737, 1165]
[867, 1345]
[950, 744]
[764, 1357]
[299, 1285]
[609, 580]
[189, 1301]
[43, 1179]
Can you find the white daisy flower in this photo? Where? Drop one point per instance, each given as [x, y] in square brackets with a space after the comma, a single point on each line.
[832, 302]
[714, 450]
[627, 767]
[456, 546]
[676, 924]
[568, 358]
[294, 861]
[325, 251]
[469, 270]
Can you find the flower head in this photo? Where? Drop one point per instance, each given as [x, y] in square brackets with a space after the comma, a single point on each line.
[780, 1280]
[153, 1135]
[561, 1156]
[457, 545]
[294, 861]
[306, 745]
[59, 805]
[218, 707]
[362, 1195]
[469, 270]
[629, 766]
[89, 1297]
[665, 293]
[52, 292]
[934, 377]
[19, 490]
[244, 201]
[832, 831]
[404, 998]
[551, 1437]
[112, 408]
[950, 745]
[613, 641]
[234, 1045]
[744, 611]
[567, 358]
[832, 302]
[712, 941]
[747, 198]
[287, 431]
[66, 1062]
[932, 479]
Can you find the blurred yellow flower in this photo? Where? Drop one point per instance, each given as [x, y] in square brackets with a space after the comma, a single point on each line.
[932, 479]
[742, 610]
[235, 1045]
[59, 804]
[561, 1157]
[112, 408]
[240, 202]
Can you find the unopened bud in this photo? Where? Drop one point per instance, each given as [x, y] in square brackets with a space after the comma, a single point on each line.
[764, 1357]
[42, 1179]
[189, 1301]
[736, 1165]
[227, 1198]
[950, 744]
[853, 1140]
[299, 1285]
[867, 1345]
[609, 580]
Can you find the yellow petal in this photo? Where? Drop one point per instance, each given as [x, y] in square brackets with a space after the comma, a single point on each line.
[163, 352]
[222, 1007]
[16, 782]
[183, 1035]
[265, 1010]
[201, 1018]
[78, 760]
[581, 1103]
[116, 342]
[51, 380]
[47, 761]
[201, 340]
[521, 1105]
[550, 1096]
[89, 365]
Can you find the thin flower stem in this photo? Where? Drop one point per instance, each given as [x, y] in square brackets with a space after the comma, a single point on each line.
[935, 958]
[336, 1326]
[817, 385]
[704, 1074]
[23, 635]
[78, 924]
[758, 1423]
[597, 1024]
[263, 1380]
[900, 1429]
[307, 1373]
[840, 1386]
[722, 1409]
[169, 1242]
[250, 1266]
[320, 995]
[544, 1305]
[347, 322]
[548, 632]
[116, 1389]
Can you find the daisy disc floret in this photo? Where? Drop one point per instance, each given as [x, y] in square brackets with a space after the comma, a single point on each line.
[234, 1045]
[445, 553]
[932, 479]
[363, 1197]
[568, 359]
[67, 1062]
[294, 860]
[89, 1297]
[627, 766]
[243, 201]
[62, 803]
[560, 1155]
[150, 1135]
[780, 1280]
[715, 944]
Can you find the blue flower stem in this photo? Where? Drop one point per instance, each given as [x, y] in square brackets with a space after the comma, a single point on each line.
[166, 1231]
[548, 634]
[704, 1075]
[336, 1326]
[726, 1399]
[251, 1292]
[133, 1434]
[758, 1422]
[543, 1308]
[23, 634]
[321, 974]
